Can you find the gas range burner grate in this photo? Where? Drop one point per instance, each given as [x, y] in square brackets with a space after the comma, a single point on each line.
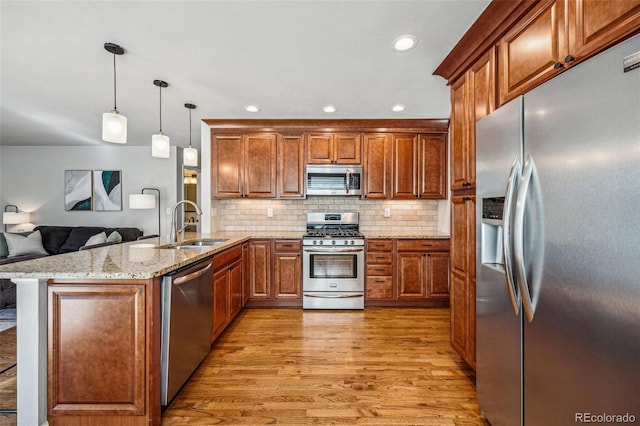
[333, 233]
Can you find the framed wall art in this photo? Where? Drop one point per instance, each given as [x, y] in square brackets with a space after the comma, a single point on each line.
[78, 190]
[107, 190]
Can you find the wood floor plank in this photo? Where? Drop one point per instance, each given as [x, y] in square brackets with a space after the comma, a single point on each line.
[377, 366]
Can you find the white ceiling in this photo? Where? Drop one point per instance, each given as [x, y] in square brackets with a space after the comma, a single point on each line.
[288, 57]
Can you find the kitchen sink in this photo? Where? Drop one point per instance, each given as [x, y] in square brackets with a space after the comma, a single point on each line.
[199, 244]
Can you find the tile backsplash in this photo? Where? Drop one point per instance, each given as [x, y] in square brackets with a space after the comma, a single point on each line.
[407, 216]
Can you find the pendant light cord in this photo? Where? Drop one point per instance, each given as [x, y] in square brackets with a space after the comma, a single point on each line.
[115, 107]
[190, 129]
[160, 107]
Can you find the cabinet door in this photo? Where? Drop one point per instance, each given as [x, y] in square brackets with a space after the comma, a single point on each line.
[220, 316]
[404, 159]
[260, 269]
[236, 297]
[412, 275]
[291, 166]
[287, 275]
[92, 329]
[459, 309]
[227, 166]
[320, 148]
[347, 148]
[531, 52]
[376, 166]
[460, 138]
[438, 270]
[260, 166]
[246, 281]
[459, 233]
[595, 24]
[432, 183]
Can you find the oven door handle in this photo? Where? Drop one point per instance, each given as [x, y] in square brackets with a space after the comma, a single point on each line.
[334, 250]
[334, 296]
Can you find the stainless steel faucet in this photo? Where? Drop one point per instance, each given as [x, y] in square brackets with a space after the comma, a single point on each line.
[174, 225]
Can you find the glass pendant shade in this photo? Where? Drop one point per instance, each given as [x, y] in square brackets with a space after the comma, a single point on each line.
[114, 127]
[160, 145]
[190, 156]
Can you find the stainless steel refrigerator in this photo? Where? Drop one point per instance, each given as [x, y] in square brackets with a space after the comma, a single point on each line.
[558, 249]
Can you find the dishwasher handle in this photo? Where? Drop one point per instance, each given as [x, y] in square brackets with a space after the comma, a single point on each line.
[193, 275]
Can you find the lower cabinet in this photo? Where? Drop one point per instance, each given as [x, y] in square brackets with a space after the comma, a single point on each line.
[228, 292]
[102, 341]
[275, 273]
[407, 272]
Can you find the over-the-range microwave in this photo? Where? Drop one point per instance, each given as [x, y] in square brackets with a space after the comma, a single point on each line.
[333, 179]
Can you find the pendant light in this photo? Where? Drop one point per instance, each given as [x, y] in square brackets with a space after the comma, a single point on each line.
[190, 155]
[114, 125]
[160, 142]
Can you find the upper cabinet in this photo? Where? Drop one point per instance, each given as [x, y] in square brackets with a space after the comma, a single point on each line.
[334, 148]
[376, 165]
[558, 34]
[243, 165]
[291, 165]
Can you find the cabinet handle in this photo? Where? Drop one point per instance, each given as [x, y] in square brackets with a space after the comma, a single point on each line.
[466, 184]
[466, 199]
[379, 281]
[379, 270]
[569, 58]
[558, 65]
[427, 245]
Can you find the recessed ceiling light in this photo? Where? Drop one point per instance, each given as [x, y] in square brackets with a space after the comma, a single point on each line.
[397, 108]
[329, 108]
[405, 42]
[252, 108]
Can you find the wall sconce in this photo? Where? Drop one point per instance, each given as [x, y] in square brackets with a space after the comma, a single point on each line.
[146, 201]
[14, 218]
[160, 141]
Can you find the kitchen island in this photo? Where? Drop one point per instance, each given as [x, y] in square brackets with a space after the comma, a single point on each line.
[88, 346]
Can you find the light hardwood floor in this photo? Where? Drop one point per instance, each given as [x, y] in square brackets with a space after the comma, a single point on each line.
[8, 376]
[377, 366]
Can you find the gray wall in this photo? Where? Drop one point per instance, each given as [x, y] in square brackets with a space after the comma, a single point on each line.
[33, 179]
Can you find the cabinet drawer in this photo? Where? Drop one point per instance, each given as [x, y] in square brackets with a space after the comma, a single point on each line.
[423, 245]
[291, 246]
[379, 288]
[379, 245]
[379, 270]
[379, 258]
[224, 258]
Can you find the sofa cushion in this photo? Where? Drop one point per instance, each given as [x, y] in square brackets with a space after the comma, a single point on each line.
[78, 237]
[114, 237]
[4, 249]
[96, 239]
[20, 244]
[127, 234]
[53, 237]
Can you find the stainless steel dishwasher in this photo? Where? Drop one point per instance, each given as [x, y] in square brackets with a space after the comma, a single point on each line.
[186, 324]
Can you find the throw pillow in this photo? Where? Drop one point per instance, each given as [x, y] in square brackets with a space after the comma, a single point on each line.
[96, 239]
[19, 245]
[114, 237]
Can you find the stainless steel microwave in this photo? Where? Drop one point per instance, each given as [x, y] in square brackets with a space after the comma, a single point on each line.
[334, 179]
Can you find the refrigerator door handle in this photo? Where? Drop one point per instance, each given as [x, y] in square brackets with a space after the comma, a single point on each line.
[512, 184]
[529, 178]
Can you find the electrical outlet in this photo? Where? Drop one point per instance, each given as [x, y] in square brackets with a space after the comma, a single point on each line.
[270, 212]
[387, 212]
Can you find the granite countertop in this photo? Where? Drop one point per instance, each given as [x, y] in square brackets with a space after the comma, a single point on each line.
[381, 234]
[142, 259]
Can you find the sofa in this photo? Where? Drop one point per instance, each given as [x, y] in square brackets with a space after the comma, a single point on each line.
[57, 240]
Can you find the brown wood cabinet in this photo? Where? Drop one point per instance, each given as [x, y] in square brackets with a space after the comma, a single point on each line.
[379, 266]
[463, 276]
[407, 272]
[228, 297]
[557, 34]
[418, 166]
[334, 148]
[103, 351]
[243, 165]
[275, 273]
[291, 165]
[472, 98]
[376, 165]
[287, 269]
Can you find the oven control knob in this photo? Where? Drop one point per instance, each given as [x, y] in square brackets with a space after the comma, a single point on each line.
[352, 242]
[333, 242]
[315, 242]
[346, 242]
[320, 242]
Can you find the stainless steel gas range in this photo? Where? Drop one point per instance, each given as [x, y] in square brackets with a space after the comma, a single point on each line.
[333, 262]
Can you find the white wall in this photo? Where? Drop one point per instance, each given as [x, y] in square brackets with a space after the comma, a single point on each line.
[32, 178]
